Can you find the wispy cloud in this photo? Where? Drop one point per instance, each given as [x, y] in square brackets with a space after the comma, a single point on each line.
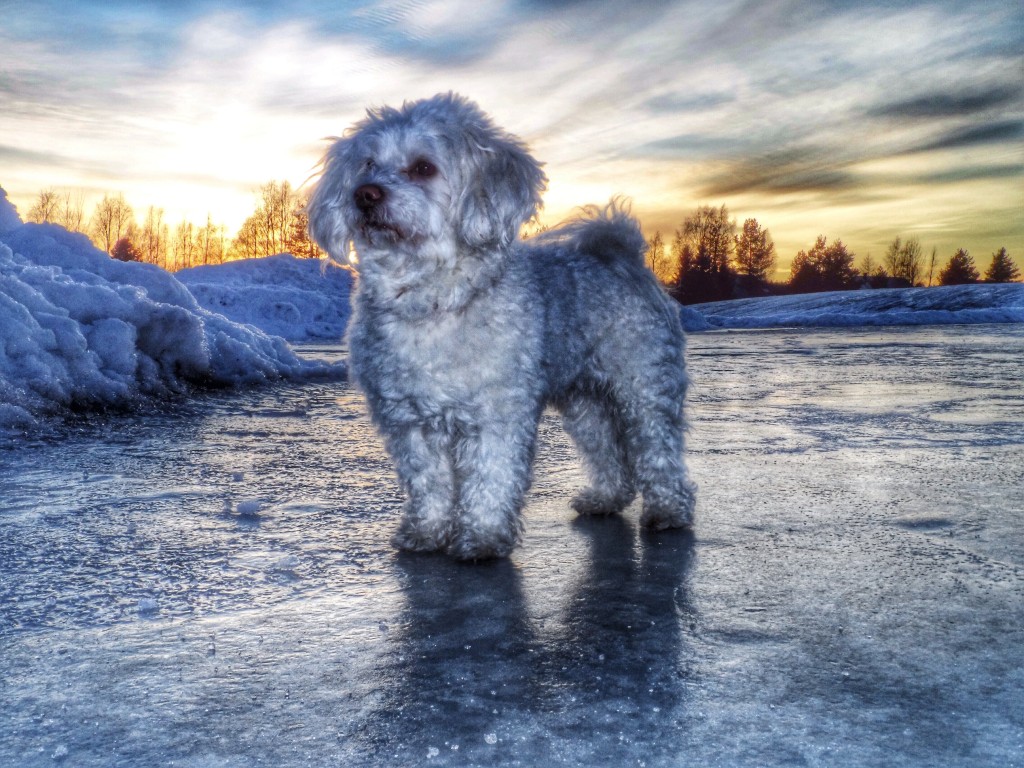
[829, 105]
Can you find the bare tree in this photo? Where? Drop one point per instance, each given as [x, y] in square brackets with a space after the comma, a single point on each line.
[932, 263]
[278, 204]
[110, 221]
[660, 261]
[299, 243]
[152, 242]
[71, 211]
[709, 233]
[903, 260]
[210, 243]
[46, 208]
[246, 244]
[267, 231]
[183, 249]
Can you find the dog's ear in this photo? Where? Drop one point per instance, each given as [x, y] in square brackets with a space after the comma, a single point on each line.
[503, 190]
[326, 202]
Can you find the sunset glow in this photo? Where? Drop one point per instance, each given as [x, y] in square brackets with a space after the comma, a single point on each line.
[860, 122]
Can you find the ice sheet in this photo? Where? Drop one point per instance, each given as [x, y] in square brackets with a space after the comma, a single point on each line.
[213, 585]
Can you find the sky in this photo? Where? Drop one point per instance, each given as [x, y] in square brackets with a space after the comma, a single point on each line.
[858, 121]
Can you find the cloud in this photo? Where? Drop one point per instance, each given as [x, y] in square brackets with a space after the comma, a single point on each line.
[1008, 131]
[807, 169]
[20, 155]
[942, 104]
[675, 103]
[685, 146]
[972, 173]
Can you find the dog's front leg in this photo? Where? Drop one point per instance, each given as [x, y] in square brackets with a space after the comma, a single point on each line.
[493, 468]
[423, 462]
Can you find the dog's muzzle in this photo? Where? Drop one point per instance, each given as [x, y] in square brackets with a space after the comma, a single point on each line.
[371, 202]
[368, 197]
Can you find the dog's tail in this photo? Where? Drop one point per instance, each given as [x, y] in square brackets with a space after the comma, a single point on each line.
[610, 234]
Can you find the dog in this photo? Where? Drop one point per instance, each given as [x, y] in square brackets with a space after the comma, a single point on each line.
[462, 333]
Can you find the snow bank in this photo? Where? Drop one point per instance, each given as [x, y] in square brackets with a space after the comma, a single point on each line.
[980, 303]
[9, 218]
[80, 330]
[298, 299]
[693, 320]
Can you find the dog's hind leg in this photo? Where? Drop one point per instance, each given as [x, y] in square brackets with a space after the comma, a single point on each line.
[590, 422]
[423, 462]
[653, 415]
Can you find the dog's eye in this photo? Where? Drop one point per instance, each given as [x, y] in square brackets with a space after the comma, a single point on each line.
[369, 165]
[422, 169]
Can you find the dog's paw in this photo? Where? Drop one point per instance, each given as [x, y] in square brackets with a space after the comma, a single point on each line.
[471, 544]
[417, 536]
[590, 501]
[661, 515]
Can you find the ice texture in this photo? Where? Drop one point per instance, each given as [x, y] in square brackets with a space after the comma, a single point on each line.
[852, 594]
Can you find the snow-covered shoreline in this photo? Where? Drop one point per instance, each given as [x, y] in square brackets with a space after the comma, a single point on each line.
[944, 305]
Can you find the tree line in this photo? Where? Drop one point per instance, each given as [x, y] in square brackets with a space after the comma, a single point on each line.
[710, 258]
[278, 224]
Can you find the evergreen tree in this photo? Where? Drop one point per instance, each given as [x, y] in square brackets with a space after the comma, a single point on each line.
[1002, 269]
[703, 247]
[959, 270]
[825, 267]
[755, 251]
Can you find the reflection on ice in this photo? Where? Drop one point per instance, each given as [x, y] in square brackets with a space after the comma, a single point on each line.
[211, 583]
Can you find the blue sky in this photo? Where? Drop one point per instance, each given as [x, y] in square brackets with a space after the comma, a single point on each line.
[855, 120]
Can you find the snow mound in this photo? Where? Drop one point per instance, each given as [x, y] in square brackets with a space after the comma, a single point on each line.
[79, 330]
[298, 299]
[953, 304]
[693, 320]
[9, 218]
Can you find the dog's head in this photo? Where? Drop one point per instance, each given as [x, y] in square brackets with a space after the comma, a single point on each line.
[434, 176]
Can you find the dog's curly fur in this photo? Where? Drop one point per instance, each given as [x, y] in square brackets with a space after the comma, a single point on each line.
[462, 333]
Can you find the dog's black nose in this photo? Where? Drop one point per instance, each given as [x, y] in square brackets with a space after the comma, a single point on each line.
[368, 196]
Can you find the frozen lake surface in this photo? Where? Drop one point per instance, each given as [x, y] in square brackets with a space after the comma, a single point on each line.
[211, 584]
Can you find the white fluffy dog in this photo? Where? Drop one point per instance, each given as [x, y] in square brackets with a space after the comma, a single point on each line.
[462, 333]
